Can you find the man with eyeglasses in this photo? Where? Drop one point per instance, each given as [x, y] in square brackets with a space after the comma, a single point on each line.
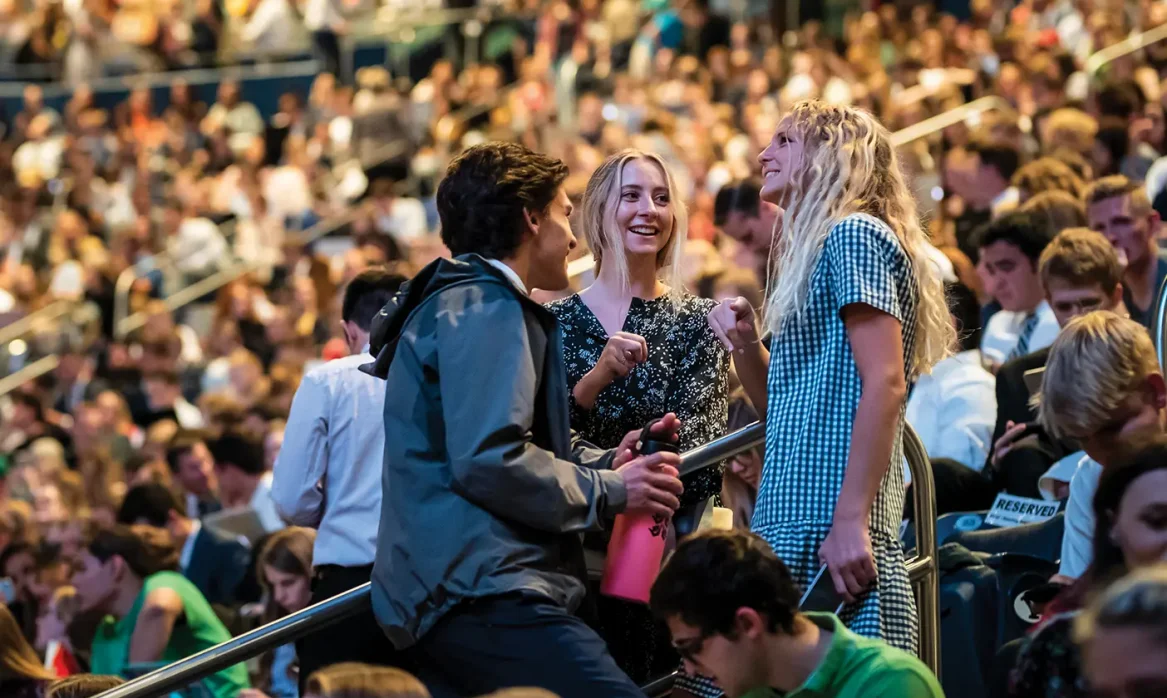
[732, 608]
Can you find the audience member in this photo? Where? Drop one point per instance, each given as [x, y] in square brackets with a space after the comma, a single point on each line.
[1123, 541]
[1102, 387]
[83, 686]
[1122, 636]
[217, 563]
[243, 482]
[285, 565]
[732, 608]
[22, 674]
[335, 434]
[1080, 273]
[127, 575]
[354, 680]
[1119, 209]
[1009, 249]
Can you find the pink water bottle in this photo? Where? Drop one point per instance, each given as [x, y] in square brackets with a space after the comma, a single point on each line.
[637, 544]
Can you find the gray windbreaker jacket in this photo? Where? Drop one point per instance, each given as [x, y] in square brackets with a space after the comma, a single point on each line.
[485, 489]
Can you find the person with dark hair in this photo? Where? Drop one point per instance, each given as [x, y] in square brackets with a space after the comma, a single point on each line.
[193, 469]
[984, 186]
[479, 561]
[732, 608]
[1009, 250]
[215, 562]
[152, 613]
[740, 213]
[335, 435]
[243, 481]
[18, 564]
[1129, 536]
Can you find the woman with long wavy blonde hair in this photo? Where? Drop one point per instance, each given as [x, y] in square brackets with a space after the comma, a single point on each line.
[636, 346]
[856, 312]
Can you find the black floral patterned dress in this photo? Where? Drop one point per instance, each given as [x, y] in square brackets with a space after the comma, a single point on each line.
[687, 372]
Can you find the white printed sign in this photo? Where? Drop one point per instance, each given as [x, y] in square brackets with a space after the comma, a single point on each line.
[1009, 510]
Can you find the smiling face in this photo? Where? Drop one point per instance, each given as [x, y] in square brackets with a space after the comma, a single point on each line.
[644, 213]
[779, 161]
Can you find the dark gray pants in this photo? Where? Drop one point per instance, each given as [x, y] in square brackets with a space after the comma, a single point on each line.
[517, 640]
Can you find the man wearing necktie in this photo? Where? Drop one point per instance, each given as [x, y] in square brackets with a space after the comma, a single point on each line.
[1009, 250]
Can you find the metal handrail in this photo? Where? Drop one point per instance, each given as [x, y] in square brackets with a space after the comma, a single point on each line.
[28, 323]
[1160, 325]
[922, 568]
[951, 117]
[28, 372]
[1135, 42]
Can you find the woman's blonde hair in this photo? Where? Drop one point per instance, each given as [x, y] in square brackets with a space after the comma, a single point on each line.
[18, 660]
[850, 166]
[353, 680]
[598, 210]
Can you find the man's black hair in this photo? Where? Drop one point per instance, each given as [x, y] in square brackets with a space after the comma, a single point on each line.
[30, 401]
[239, 451]
[148, 503]
[14, 549]
[1025, 231]
[1120, 99]
[964, 306]
[714, 573]
[366, 294]
[485, 191]
[182, 443]
[999, 154]
[740, 196]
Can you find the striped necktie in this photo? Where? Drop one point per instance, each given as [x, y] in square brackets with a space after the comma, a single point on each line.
[1022, 346]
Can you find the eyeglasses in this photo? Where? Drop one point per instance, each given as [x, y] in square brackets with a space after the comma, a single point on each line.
[689, 648]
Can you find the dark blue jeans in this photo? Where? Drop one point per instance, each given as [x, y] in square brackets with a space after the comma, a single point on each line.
[517, 640]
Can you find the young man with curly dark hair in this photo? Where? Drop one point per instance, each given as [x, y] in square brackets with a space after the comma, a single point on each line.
[479, 563]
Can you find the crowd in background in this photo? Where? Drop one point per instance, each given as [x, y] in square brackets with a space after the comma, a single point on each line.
[180, 417]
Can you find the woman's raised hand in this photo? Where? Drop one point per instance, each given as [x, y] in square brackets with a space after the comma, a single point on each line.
[734, 323]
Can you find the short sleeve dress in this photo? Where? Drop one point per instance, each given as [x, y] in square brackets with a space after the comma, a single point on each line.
[814, 390]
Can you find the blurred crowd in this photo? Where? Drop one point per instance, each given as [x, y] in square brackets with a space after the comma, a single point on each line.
[178, 415]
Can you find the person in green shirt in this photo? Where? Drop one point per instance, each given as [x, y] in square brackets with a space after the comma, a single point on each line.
[732, 608]
[154, 615]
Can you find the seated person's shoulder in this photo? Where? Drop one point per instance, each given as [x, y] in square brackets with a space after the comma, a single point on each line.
[893, 673]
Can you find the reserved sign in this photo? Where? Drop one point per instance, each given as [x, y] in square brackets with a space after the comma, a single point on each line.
[1009, 510]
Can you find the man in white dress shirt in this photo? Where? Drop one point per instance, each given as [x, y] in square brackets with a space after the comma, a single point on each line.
[1009, 251]
[328, 476]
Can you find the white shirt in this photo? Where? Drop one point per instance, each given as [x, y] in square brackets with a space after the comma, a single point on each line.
[1078, 539]
[321, 15]
[328, 472]
[1004, 330]
[188, 545]
[1060, 472]
[198, 247]
[271, 26]
[510, 274]
[264, 505]
[954, 410]
[187, 415]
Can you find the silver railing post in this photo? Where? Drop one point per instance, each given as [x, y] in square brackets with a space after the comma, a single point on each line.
[1160, 325]
[923, 567]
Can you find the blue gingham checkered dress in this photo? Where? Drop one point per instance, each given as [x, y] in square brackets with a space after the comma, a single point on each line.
[814, 390]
